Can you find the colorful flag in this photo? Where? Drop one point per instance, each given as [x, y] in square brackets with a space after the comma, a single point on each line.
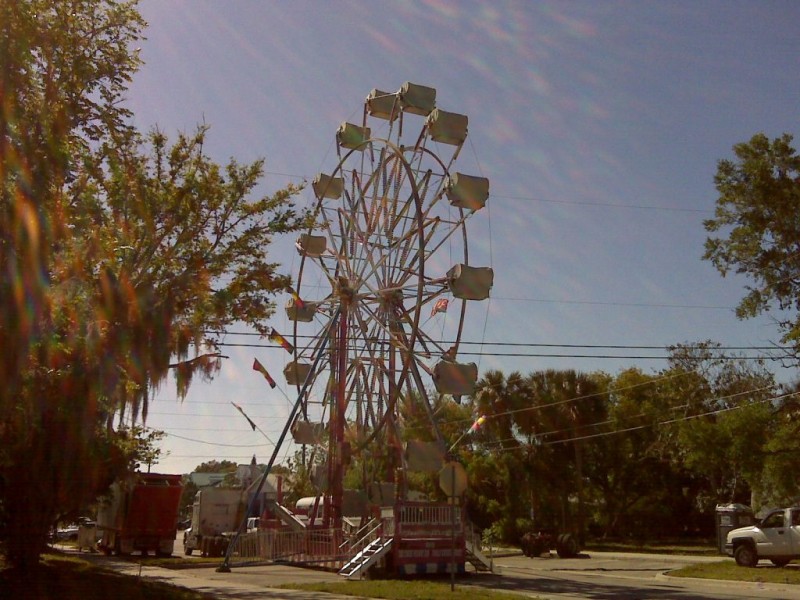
[276, 337]
[239, 408]
[298, 302]
[440, 306]
[257, 366]
[477, 424]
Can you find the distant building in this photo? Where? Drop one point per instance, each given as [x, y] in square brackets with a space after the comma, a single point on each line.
[202, 480]
[247, 474]
[244, 476]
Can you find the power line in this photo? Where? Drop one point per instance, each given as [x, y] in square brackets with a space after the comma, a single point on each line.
[605, 204]
[306, 178]
[659, 423]
[634, 304]
[519, 344]
[551, 355]
[572, 400]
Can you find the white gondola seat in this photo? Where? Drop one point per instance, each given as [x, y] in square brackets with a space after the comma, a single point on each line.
[456, 379]
[296, 372]
[447, 127]
[304, 314]
[319, 478]
[383, 493]
[325, 186]
[470, 283]
[422, 456]
[312, 246]
[383, 105]
[304, 432]
[467, 191]
[353, 136]
[417, 99]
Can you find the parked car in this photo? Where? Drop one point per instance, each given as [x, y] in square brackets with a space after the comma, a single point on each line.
[534, 543]
[68, 533]
[253, 524]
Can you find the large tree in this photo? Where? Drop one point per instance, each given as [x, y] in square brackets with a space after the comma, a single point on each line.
[625, 473]
[758, 210]
[65, 67]
[124, 257]
[729, 420]
[539, 423]
[64, 70]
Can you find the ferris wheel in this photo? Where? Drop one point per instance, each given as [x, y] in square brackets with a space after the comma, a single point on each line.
[384, 280]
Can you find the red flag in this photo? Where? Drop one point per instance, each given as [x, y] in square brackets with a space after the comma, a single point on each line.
[239, 408]
[276, 337]
[440, 306]
[257, 366]
[298, 302]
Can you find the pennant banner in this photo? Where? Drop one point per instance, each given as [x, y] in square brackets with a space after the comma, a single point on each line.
[440, 306]
[249, 420]
[257, 366]
[276, 337]
[298, 302]
[477, 424]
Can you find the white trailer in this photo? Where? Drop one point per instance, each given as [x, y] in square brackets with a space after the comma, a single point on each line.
[215, 512]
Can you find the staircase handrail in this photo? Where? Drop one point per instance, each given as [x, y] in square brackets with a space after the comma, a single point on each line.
[372, 527]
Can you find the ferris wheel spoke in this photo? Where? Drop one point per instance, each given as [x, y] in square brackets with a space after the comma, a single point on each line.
[360, 240]
[372, 267]
[419, 391]
[421, 254]
[380, 223]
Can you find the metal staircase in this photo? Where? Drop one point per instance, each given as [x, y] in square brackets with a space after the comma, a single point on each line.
[362, 561]
[478, 560]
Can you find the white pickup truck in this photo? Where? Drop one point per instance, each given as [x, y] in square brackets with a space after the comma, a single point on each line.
[776, 537]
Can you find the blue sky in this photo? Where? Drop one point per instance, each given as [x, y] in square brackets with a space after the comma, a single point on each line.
[598, 124]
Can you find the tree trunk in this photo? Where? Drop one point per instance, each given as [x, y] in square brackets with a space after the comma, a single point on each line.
[581, 518]
[28, 521]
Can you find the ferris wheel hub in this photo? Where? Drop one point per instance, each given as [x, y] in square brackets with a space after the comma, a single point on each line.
[345, 291]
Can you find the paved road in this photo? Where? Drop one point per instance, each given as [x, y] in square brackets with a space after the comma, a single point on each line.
[593, 576]
[601, 576]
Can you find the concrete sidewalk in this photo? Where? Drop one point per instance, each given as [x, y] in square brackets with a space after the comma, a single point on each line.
[250, 582]
[242, 583]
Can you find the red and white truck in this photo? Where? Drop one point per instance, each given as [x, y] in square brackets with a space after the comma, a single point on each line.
[140, 515]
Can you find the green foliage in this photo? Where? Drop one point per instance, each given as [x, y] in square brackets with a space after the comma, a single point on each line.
[729, 571]
[188, 494]
[121, 255]
[216, 466]
[626, 455]
[298, 476]
[759, 210]
[65, 69]
[141, 445]
[540, 421]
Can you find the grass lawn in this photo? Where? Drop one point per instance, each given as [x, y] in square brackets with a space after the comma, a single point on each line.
[68, 577]
[730, 571]
[406, 589]
[677, 547]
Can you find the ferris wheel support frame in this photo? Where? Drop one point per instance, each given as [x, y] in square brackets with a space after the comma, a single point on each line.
[336, 449]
